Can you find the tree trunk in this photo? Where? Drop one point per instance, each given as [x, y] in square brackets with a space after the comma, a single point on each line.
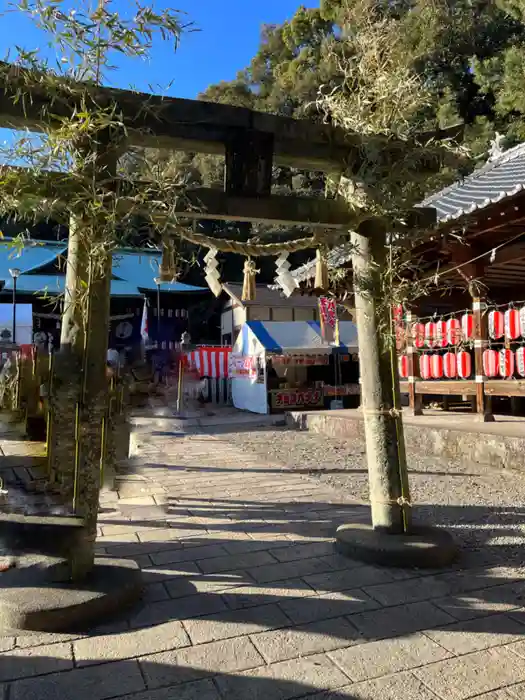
[80, 385]
[379, 383]
[91, 412]
[67, 368]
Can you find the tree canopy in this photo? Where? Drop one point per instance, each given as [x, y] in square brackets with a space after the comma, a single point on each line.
[469, 53]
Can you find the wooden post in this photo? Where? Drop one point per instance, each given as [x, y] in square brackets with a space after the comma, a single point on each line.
[379, 383]
[483, 402]
[415, 400]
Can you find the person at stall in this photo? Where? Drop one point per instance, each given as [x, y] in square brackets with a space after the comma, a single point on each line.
[272, 378]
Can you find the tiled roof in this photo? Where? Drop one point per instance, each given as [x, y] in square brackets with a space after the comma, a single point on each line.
[140, 268]
[54, 284]
[29, 257]
[335, 258]
[500, 178]
[133, 271]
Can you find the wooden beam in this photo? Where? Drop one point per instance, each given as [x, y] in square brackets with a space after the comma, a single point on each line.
[463, 254]
[161, 202]
[190, 125]
[203, 203]
[446, 388]
[164, 200]
[505, 387]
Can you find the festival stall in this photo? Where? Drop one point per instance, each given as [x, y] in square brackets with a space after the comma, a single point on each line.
[277, 366]
[206, 372]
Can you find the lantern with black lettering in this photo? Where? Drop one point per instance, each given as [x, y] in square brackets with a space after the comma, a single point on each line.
[467, 326]
[418, 334]
[496, 324]
[453, 331]
[506, 363]
[520, 361]
[430, 334]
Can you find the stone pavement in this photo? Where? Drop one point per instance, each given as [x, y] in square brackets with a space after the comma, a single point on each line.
[246, 599]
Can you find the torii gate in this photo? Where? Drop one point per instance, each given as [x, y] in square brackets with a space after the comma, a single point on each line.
[251, 143]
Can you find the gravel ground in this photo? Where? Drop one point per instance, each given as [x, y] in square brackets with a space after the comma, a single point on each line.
[482, 505]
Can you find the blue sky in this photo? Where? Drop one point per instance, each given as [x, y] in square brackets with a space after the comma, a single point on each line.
[227, 40]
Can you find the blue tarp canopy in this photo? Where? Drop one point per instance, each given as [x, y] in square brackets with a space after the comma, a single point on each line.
[285, 337]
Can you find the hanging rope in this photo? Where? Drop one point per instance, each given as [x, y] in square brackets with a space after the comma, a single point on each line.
[246, 248]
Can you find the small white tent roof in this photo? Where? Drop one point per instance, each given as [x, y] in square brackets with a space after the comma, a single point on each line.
[285, 337]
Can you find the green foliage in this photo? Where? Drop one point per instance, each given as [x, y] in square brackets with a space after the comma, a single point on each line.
[469, 53]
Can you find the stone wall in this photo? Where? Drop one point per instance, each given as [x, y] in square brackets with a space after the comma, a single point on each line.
[496, 450]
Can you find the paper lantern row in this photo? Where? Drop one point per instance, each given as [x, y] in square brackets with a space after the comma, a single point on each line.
[440, 334]
[510, 324]
[502, 363]
[450, 365]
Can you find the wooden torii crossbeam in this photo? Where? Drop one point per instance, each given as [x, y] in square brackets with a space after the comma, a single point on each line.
[251, 142]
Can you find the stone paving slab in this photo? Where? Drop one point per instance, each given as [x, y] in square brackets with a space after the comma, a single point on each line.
[174, 667]
[402, 686]
[326, 635]
[235, 623]
[283, 680]
[473, 674]
[246, 599]
[374, 659]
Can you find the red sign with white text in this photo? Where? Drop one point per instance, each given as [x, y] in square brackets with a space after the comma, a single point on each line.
[297, 398]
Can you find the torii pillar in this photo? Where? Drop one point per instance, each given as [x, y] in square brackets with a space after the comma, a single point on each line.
[392, 539]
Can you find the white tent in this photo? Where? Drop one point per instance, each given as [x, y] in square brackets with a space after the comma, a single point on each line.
[259, 338]
[24, 324]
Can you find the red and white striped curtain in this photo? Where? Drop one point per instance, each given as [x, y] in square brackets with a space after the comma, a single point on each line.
[210, 361]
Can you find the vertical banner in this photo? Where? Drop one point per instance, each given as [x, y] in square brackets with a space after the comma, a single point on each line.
[328, 318]
[144, 323]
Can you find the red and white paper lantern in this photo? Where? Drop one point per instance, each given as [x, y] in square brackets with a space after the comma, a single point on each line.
[453, 331]
[441, 340]
[400, 337]
[397, 313]
[512, 324]
[490, 363]
[467, 326]
[430, 334]
[506, 363]
[436, 366]
[464, 364]
[418, 334]
[450, 365]
[522, 320]
[520, 361]
[403, 366]
[496, 325]
[424, 366]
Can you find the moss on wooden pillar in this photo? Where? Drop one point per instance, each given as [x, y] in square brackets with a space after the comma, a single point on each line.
[385, 449]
